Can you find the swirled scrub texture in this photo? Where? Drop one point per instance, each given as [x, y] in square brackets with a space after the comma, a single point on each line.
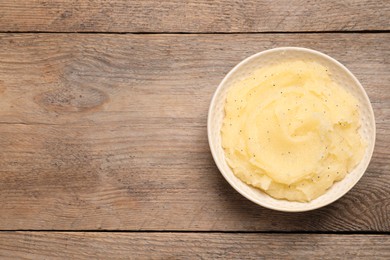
[291, 131]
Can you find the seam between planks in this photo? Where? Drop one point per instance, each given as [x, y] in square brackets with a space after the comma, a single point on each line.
[207, 232]
[146, 32]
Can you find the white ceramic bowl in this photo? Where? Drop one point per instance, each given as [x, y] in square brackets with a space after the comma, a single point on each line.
[341, 75]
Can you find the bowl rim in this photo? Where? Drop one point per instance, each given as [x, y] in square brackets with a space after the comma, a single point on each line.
[218, 163]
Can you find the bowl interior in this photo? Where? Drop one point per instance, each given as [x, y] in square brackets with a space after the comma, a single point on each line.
[340, 74]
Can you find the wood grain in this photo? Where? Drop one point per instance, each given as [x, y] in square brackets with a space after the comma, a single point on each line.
[62, 245]
[193, 15]
[109, 132]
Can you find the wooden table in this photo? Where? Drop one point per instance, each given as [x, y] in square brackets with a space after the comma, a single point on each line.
[103, 140]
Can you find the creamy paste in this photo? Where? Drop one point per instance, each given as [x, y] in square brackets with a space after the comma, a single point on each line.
[291, 131]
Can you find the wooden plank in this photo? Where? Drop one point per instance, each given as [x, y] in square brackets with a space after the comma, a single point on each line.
[109, 132]
[53, 245]
[193, 15]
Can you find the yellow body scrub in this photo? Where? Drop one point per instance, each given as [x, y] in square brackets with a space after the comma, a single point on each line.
[291, 131]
